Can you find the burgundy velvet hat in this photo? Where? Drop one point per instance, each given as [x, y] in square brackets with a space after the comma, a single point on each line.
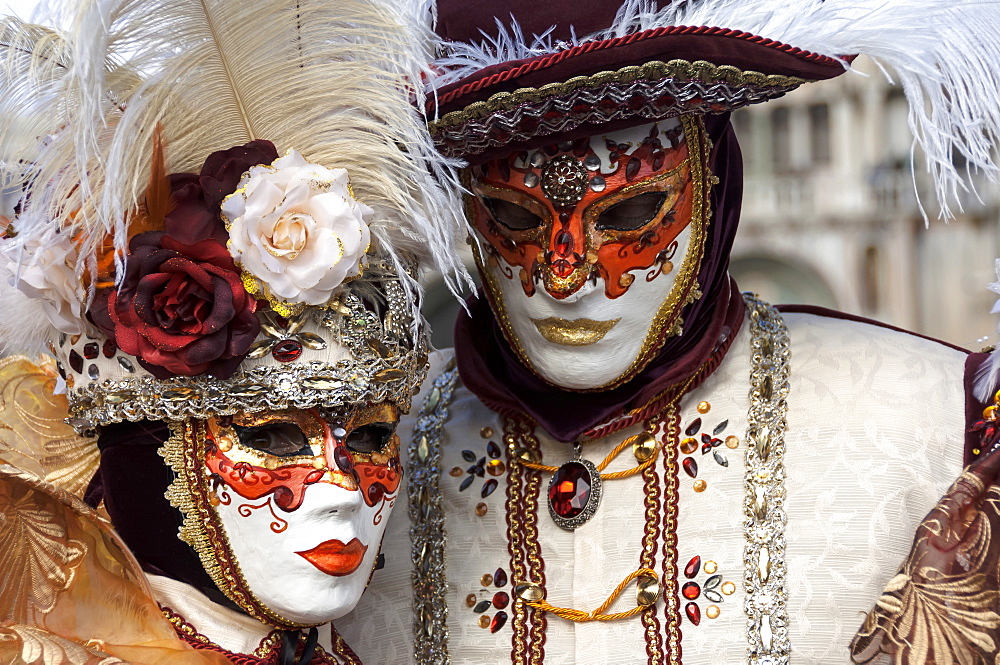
[591, 67]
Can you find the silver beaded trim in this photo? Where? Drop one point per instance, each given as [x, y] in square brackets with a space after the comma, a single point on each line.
[763, 505]
[427, 532]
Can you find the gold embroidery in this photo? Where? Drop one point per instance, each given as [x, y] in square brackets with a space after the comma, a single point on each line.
[699, 71]
[942, 605]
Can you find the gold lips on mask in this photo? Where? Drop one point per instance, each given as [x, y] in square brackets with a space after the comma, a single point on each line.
[578, 332]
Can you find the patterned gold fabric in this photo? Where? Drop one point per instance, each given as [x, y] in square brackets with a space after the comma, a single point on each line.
[942, 606]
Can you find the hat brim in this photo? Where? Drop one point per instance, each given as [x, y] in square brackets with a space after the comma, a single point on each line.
[611, 84]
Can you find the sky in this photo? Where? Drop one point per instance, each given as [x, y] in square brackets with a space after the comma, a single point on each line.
[20, 8]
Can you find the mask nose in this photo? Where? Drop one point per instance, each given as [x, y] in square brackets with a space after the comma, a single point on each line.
[565, 268]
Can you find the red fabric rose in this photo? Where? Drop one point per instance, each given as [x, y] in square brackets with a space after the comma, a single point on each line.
[181, 313]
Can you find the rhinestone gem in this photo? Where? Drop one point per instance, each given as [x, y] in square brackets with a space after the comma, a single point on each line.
[538, 159]
[466, 483]
[486, 580]
[713, 595]
[689, 445]
[690, 466]
[732, 441]
[482, 606]
[530, 180]
[718, 428]
[720, 458]
[597, 184]
[495, 467]
[692, 567]
[484, 621]
[109, 348]
[691, 590]
[693, 613]
[470, 600]
[91, 350]
[704, 407]
[728, 588]
[501, 600]
[287, 351]
[592, 162]
[488, 487]
[390, 374]
[711, 567]
[693, 428]
[500, 577]
[499, 621]
[76, 361]
[126, 364]
[481, 509]
[714, 580]
[456, 471]
[321, 383]
[93, 372]
[492, 449]
[486, 432]
[699, 485]
[286, 385]
[569, 492]
[712, 611]
[468, 456]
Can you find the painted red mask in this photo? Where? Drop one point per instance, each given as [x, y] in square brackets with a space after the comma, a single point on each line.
[591, 210]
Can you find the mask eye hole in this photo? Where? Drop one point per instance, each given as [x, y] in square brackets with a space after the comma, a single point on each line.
[511, 215]
[279, 439]
[633, 213]
[370, 438]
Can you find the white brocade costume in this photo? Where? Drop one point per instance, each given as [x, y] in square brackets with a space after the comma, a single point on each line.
[874, 437]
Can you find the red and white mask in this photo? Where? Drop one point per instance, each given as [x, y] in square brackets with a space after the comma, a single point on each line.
[302, 499]
[590, 249]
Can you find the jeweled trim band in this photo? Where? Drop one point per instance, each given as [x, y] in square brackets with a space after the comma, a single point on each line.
[663, 90]
[763, 506]
[298, 386]
[427, 529]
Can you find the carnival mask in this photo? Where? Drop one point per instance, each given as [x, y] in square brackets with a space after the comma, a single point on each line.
[289, 506]
[590, 249]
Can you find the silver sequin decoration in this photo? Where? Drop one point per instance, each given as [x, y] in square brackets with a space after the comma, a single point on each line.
[763, 507]
[531, 179]
[592, 163]
[427, 532]
[538, 160]
[597, 184]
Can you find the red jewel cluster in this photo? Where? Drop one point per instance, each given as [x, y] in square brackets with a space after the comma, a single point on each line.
[499, 600]
[709, 443]
[181, 308]
[692, 590]
[481, 466]
[988, 428]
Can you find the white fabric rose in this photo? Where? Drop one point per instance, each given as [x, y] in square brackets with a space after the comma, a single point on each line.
[295, 227]
[48, 277]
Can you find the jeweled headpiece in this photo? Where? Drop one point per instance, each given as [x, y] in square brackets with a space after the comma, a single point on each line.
[229, 226]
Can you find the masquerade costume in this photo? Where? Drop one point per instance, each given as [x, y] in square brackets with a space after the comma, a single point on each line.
[218, 243]
[628, 461]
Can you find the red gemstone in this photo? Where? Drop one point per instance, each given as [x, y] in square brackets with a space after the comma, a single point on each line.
[691, 590]
[693, 612]
[90, 350]
[500, 600]
[690, 467]
[287, 351]
[564, 243]
[694, 565]
[76, 361]
[109, 348]
[500, 577]
[499, 620]
[693, 428]
[570, 490]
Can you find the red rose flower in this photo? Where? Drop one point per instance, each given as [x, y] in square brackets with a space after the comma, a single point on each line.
[181, 313]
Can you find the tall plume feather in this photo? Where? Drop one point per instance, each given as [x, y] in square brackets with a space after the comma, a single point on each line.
[218, 73]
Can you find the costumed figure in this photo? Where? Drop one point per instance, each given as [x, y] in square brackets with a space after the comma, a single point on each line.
[628, 461]
[218, 243]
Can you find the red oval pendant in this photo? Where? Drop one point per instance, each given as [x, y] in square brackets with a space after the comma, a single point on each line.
[574, 493]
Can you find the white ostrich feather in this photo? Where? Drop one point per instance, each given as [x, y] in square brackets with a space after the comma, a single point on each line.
[332, 80]
[945, 55]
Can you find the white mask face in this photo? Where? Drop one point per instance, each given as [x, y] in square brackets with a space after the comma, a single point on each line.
[304, 500]
[590, 249]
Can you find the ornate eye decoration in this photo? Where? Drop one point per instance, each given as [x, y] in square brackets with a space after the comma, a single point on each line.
[632, 213]
[370, 438]
[281, 439]
[511, 215]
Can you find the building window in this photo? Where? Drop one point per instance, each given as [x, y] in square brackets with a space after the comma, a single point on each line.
[781, 143]
[819, 133]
